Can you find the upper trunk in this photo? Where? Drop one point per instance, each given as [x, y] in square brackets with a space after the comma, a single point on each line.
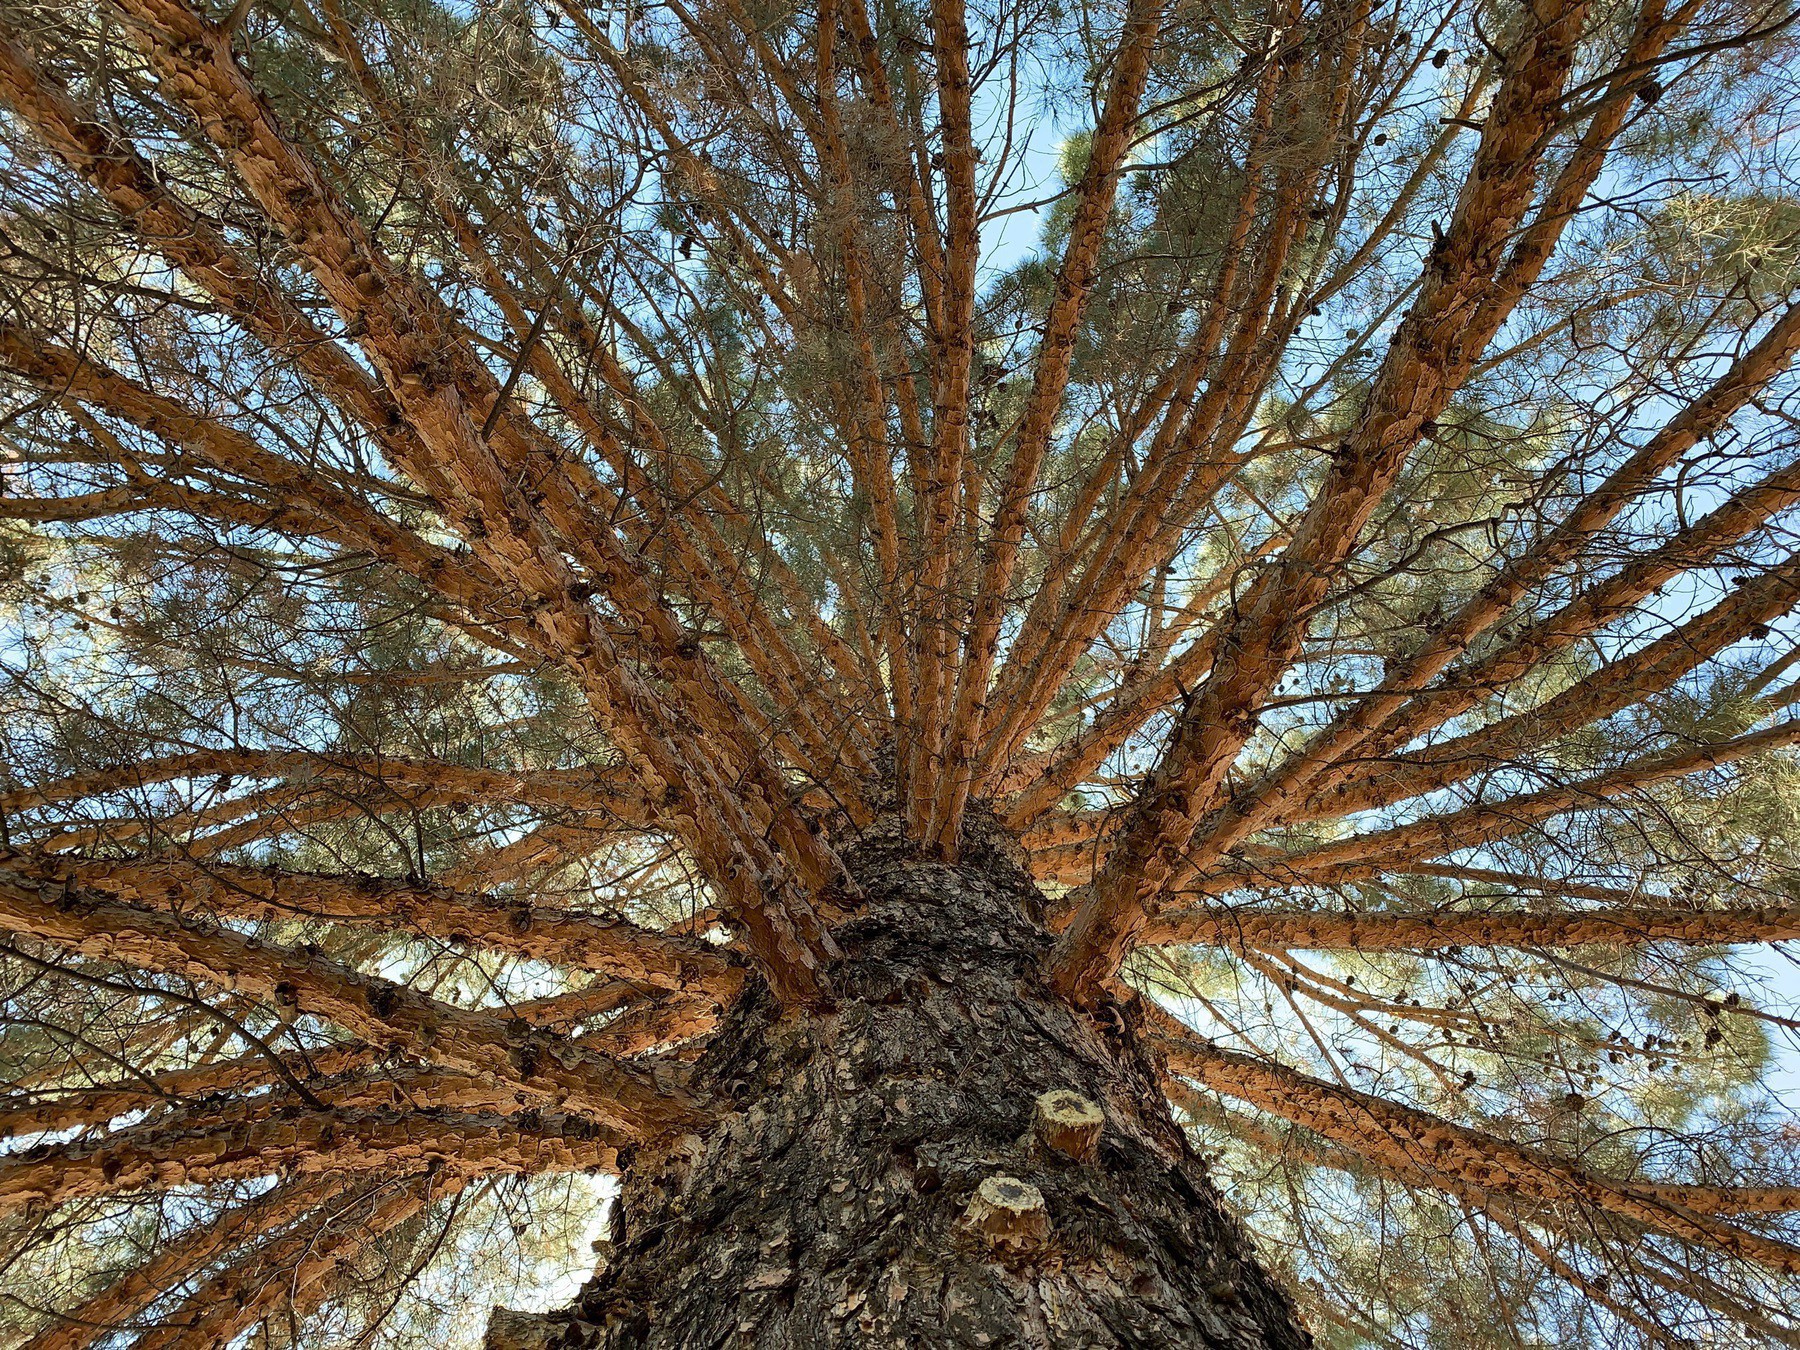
[841, 1203]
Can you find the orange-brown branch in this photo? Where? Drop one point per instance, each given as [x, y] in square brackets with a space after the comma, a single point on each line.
[377, 1010]
[1432, 353]
[219, 890]
[1441, 930]
[1461, 1160]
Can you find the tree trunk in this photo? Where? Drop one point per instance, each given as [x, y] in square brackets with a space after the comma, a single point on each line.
[889, 1178]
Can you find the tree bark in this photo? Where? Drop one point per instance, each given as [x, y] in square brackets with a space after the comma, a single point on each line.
[878, 1180]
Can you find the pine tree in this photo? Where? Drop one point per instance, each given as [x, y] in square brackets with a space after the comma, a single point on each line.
[1059, 676]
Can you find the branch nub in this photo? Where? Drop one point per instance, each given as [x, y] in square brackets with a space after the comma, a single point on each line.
[1065, 1122]
[1008, 1213]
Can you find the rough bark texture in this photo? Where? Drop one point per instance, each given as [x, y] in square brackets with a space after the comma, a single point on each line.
[831, 1208]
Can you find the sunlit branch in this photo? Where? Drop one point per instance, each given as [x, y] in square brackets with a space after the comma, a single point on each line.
[1455, 929]
[180, 1152]
[374, 1009]
[1430, 356]
[1461, 1160]
[231, 891]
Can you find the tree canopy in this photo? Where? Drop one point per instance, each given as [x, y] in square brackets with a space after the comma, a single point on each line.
[499, 495]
